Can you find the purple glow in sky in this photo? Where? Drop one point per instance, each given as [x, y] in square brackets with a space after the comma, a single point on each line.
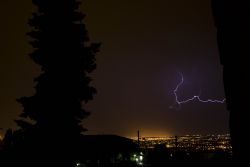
[192, 98]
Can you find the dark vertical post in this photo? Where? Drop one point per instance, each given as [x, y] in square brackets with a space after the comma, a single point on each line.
[138, 139]
[176, 142]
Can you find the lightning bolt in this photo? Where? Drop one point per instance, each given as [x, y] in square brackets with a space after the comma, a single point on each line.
[195, 97]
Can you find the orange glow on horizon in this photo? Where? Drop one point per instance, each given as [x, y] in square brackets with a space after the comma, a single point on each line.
[151, 133]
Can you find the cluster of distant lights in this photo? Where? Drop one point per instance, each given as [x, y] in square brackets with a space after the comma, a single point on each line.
[198, 142]
[180, 136]
[138, 158]
[227, 135]
[193, 98]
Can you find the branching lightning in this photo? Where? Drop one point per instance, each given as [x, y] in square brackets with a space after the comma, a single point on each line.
[195, 97]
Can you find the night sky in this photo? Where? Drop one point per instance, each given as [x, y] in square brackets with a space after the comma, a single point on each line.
[146, 44]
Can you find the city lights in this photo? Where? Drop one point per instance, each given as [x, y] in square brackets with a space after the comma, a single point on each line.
[190, 142]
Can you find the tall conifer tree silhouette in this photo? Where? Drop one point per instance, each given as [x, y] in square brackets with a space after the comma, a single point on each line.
[62, 49]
